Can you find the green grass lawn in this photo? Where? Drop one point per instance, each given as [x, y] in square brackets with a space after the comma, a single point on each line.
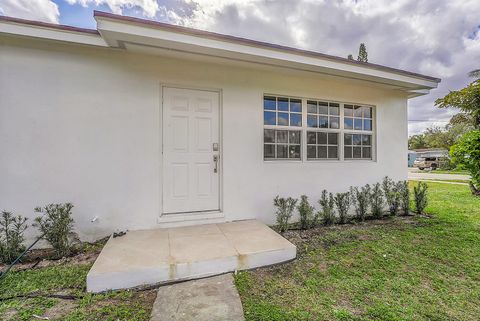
[395, 269]
[453, 171]
[68, 279]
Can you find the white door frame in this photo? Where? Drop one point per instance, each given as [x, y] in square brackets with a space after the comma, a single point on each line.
[165, 217]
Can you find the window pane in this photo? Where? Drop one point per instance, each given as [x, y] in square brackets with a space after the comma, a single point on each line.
[334, 109]
[296, 105]
[269, 135]
[332, 138]
[282, 119]
[283, 104]
[311, 137]
[269, 103]
[366, 152]
[348, 139]
[269, 118]
[282, 136]
[357, 111]
[347, 152]
[294, 151]
[269, 151]
[357, 152]
[367, 124]
[312, 107]
[334, 122]
[332, 152]
[348, 123]
[312, 121]
[323, 108]
[311, 152]
[294, 137]
[322, 151]
[366, 140]
[323, 122]
[348, 110]
[321, 138]
[357, 139]
[282, 151]
[296, 120]
[367, 112]
[358, 124]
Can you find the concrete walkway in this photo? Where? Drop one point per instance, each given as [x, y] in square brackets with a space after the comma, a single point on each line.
[185, 253]
[210, 299]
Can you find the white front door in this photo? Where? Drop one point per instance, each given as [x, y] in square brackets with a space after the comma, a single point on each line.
[191, 154]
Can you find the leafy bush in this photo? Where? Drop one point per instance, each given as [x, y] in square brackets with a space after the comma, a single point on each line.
[421, 197]
[57, 226]
[361, 200]
[306, 213]
[377, 201]
[11, 236]
[392, 195]
[342, 202]
[466, 152]
[327, 212]
[285, 207]
[402, 187]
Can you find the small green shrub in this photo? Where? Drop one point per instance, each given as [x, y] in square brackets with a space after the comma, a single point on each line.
[342, 202]
[377, 200]
[361, 200]
[56, 224]
[402, 187]
[392, 195]
[305, 210]
[11, 236]
[284, 211]
[420, 197]
[327, 211]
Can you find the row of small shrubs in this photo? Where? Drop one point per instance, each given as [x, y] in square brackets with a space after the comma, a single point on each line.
[55, 225]
[368, 201]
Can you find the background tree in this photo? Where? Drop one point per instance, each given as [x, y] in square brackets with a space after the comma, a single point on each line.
[362, 53]
[350, 57]
[466, 99]
[438, 137]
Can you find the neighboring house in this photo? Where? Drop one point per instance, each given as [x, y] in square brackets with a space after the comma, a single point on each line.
[143, 124]
[412, 155]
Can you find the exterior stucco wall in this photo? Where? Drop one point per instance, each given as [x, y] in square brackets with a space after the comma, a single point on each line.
[83, 125]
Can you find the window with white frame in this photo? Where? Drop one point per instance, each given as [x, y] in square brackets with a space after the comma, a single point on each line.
[310, 129]
[282, 136]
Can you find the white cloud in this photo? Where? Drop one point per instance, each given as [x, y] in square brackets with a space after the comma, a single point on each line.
[149, 7]
[41, 10]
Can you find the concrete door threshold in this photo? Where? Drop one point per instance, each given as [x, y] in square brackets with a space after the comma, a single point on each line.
[208, 299]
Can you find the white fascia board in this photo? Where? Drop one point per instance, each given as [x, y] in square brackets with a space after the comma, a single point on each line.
[18, 29]
[116, 32]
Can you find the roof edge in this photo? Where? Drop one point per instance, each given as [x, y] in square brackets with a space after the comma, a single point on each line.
[251, 42]
[48, 25]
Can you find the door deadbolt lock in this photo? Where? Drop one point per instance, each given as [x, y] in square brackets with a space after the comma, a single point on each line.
[215, 147]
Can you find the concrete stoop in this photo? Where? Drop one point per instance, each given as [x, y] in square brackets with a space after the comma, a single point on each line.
[183, 253]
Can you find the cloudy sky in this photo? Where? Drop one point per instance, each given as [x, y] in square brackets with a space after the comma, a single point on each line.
[440, 38]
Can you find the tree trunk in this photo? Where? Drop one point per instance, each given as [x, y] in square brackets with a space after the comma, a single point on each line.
[475, 191]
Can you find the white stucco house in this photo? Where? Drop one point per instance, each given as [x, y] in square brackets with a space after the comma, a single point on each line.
[143, 124]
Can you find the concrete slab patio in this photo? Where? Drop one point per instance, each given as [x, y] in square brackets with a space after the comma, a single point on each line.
[182, 253]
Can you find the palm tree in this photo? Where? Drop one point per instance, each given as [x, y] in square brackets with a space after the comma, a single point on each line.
[474, 73]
